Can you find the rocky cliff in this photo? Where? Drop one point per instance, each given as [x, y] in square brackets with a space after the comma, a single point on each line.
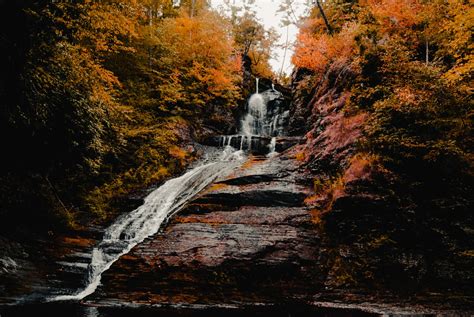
[247, 240]
[383, 231]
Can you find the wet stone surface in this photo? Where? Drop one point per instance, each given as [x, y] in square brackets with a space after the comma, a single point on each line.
[247, 239]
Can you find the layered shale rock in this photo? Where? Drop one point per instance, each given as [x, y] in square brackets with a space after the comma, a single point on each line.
[247, 239]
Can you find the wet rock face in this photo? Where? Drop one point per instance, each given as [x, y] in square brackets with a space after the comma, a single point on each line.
[35, 270]
[248, 239]
[259, 145]
[317, 112]
[227, 248]
[301, 118]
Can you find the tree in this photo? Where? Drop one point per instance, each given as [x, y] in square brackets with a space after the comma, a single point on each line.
[254, 42]
[323, 15]
[200, 57]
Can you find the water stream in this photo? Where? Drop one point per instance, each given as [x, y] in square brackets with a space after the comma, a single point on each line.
[134, 227]
[145, 221]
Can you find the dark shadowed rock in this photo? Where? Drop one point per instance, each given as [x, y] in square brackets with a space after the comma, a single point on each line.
[258, 145]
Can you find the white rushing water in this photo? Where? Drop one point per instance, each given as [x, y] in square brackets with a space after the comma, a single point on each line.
[253, 122]
[265, 117]
[272, 147]
[258, 121]
[145, 221]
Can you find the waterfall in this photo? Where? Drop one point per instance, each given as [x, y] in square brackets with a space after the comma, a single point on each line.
[272, 147]
[264, 115]
[145, 221]
[263, 120]
[254, 121]
[274, 125]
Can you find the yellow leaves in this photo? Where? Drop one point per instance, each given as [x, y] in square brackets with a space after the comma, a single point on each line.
[260, 65]
[454, 35]
[99, 26]
[177, 152]
[462, 72]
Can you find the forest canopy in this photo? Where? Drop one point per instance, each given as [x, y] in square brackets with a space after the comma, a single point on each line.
[404, 70]
[101, 97]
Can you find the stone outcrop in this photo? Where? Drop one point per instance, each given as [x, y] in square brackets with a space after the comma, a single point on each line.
[248, 239]
[35, 270]
[260, 145]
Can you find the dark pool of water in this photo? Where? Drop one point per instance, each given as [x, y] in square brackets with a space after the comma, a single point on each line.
[81, 310]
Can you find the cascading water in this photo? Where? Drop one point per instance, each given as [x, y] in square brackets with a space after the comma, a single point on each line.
[265, 116]
[136, 226]
[264, 119]
[272, 147]
[254, 121]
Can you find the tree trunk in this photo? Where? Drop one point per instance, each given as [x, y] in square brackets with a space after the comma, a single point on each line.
[193, 3]
[330, 31]
[286, 49]
[427, 52]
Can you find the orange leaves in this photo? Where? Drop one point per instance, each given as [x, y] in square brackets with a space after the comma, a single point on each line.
[201, 39]
[216, 79]
[361, 166]
[371, 19]
[315, 52]
[396, 14]
[219, 80]
[177, 152]
[202, 54]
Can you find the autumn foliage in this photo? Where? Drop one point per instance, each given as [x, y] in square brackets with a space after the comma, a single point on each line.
[411, 63]
[392, 142]
[201, 59]
[101, 96]
[316, 52]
